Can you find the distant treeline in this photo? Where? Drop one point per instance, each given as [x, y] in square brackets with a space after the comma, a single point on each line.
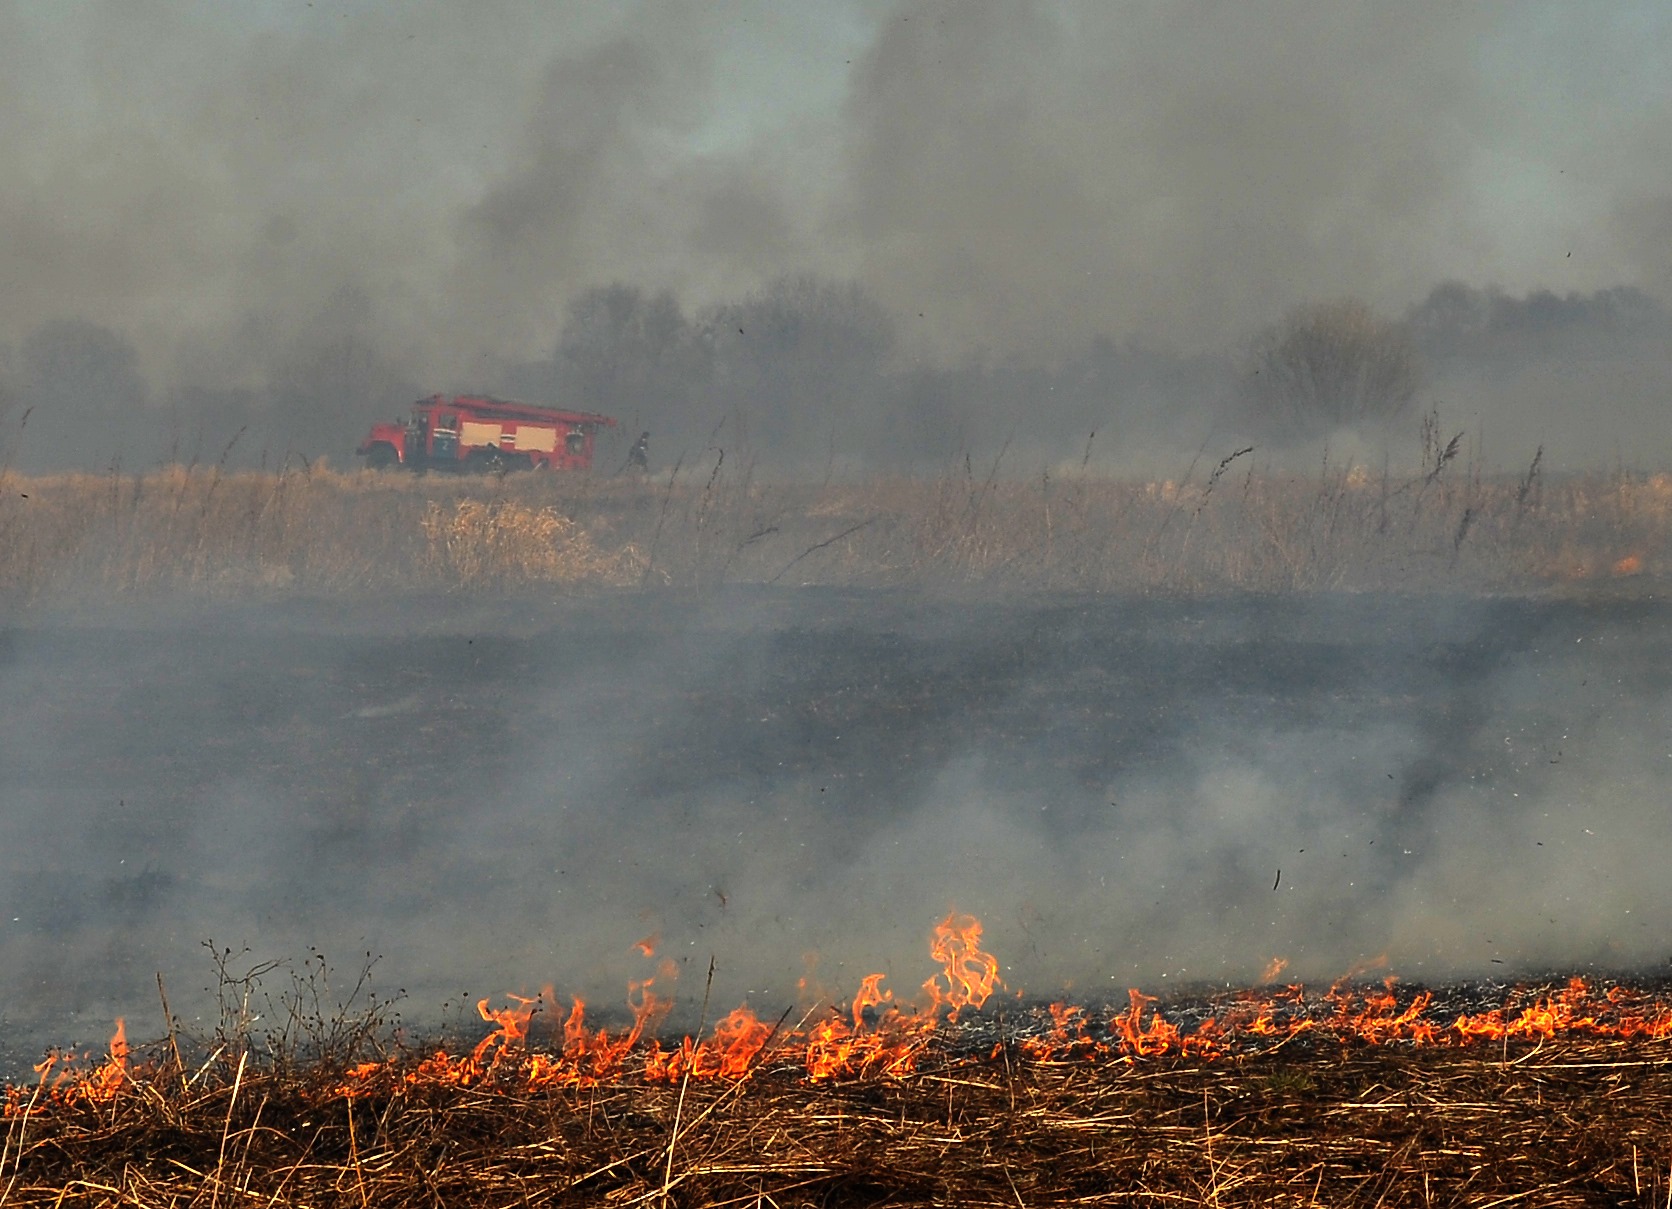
[808, 373]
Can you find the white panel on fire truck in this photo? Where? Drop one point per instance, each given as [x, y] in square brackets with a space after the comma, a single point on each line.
[473, 433]
[535, 439]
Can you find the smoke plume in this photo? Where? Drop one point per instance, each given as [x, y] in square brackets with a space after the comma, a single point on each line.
[294, 221]
[1138, 793]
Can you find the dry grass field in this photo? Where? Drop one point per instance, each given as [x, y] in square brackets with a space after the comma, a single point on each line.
[322, 531]
[1572, 1126]
[1357, 1097]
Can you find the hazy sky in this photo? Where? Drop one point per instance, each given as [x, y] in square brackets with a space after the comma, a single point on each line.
[212, 180]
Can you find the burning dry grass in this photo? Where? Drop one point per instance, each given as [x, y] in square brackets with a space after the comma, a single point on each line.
[1573, 1122]
[319, 531]
[1353, 1097]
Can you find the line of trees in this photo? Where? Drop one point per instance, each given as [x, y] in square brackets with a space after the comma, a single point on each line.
[792, 364]
[806, 370]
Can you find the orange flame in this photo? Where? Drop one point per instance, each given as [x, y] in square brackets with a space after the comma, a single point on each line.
[873, 1036]
[971, 975]
[870, 994]
[112, 1075]
[513, 1027]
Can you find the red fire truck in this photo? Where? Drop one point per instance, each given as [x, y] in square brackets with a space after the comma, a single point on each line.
[480, 434]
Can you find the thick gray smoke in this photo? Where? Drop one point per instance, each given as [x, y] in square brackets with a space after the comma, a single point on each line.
[285, 222]
[1539, 370]
[1126, 792]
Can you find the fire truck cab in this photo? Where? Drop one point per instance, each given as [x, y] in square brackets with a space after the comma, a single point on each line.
[483, 435]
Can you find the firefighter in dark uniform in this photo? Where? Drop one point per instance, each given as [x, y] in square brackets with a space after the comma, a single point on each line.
[638, 457]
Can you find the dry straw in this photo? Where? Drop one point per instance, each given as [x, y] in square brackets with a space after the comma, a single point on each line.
[1574, 1123]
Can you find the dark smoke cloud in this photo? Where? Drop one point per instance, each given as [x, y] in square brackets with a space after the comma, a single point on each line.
[295, 218]
[1038, 176]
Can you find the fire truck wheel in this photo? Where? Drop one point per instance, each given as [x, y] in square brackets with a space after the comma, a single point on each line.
[381, 457]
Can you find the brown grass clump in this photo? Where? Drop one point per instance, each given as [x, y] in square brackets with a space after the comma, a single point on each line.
[503, 543]
[1574, 1123]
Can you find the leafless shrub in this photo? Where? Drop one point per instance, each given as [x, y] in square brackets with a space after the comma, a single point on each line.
[1329, 366]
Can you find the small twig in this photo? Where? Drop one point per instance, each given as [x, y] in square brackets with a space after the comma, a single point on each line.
[220, 1162]
[1217, 471]
[173, 1038]
[1213, 1171]
[661, 520]
[1462, 529]
[756, 536]
[22, 1129]
[685, 1082]
[1528, 482]
[814, 549]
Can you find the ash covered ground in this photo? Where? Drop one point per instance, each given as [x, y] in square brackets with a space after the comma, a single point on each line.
[491, 797]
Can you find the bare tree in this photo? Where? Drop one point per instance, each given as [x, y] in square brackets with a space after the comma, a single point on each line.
[1328, 366]
[633, 355]
[804, 361]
